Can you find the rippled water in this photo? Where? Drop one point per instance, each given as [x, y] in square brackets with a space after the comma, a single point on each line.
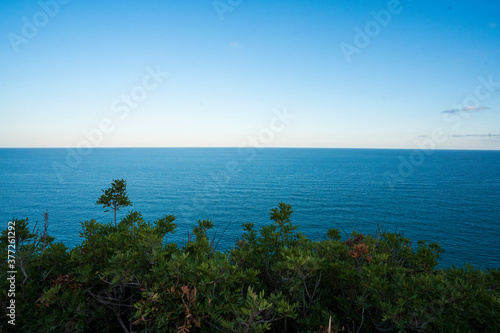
[451, 197]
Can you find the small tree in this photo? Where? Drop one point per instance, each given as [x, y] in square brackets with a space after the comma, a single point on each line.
[115, 197]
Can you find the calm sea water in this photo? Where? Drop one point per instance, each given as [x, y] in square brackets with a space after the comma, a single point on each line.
[451, 197]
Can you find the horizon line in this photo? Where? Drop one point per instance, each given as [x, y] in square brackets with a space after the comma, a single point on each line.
[260, 148]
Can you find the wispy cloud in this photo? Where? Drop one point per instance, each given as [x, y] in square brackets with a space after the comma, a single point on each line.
[467, 109]
[234, 45]
[476, 135]
[489, 135]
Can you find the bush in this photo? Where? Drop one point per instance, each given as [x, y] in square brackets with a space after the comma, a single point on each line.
[128, 278]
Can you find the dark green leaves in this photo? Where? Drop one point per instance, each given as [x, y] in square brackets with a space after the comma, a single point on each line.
[275, 279]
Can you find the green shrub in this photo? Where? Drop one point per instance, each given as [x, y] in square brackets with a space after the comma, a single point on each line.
[128, 278]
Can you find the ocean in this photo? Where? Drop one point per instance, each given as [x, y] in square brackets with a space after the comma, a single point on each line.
[450, 197]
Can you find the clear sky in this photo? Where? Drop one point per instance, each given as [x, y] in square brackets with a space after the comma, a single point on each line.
[151, 73]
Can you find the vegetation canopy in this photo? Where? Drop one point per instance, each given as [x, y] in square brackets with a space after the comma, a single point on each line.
[127, 277]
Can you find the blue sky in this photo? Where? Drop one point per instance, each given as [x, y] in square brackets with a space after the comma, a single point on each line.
[377, 74]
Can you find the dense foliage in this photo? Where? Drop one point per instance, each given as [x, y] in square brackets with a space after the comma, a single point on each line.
[128, 278]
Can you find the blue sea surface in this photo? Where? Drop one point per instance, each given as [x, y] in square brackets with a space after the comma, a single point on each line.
[450, 197]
